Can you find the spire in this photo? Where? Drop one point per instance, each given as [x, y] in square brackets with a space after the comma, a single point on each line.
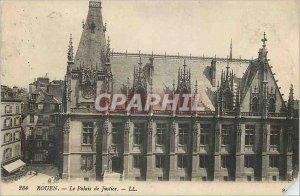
[140, 67]
[108, 43]
[108, 50]
[230, 57]
[238, 101]
[105, 26]
[196, 87]
[264, 40]
[291, 102]
[222, 76]
[262, 54]
[291, 94]
[173, 86]
[92, 45]
[70, 50]
[184, 68]
[227, 68]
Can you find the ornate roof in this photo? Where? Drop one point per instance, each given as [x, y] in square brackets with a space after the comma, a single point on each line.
[92, 45]
[165, 72]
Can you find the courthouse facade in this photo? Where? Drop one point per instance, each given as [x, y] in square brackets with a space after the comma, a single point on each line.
[243, 131]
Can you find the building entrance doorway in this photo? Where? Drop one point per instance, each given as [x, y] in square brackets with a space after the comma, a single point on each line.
[117, 164]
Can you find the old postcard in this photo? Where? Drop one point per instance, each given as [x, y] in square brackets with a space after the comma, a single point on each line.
[149, 97]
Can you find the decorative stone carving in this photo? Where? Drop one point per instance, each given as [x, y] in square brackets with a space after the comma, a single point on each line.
[66, 128]
[105, 126]
[150, 125]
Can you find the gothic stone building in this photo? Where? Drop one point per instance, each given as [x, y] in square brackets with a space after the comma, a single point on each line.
[243, 131]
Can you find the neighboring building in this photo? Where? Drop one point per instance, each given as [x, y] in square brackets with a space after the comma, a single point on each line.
[243, 132]
[11, 130]
[40, 82]
[40, 123]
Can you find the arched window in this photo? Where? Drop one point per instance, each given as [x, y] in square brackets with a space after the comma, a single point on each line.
[8, 109]
[227, 101]
[17, 121]
[7, 123]
[254, 105]
[7, 153]
[16, 136]
[271, 107]
[7, 137]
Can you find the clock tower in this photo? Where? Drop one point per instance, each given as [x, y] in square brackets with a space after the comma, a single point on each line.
[89, 73]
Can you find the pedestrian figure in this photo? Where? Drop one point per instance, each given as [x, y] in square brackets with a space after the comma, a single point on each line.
[49, 181]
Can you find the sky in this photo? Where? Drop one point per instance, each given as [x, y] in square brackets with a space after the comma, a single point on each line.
[35, 34]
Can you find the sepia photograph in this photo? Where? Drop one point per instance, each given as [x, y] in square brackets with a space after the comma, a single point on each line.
[149, 97]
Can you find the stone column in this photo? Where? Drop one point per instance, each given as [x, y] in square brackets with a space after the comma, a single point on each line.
[104, 132]
[149, 156]
[98, 144]
[126, 147]
[239, 166]
[265, 150]
[195, 176]
[289, 155]
[217, 146]
[66, 153]
[108, 144]
[173, 159]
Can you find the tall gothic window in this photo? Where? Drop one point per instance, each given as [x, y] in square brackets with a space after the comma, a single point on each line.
[116, 133]
[7, 153]
[86, 162]
[182, 161]
[183, 134]
[249, 135]
[249, 161]
[203, 161]
[87, 133]
[225, 161]
[254, 105]
[227, 101]
[226, 135]
[274, 161]
[161, 130]
[271, 107]
[204, 134]
[137, 161]
[160, 161]
[274, 136]
[138, 133]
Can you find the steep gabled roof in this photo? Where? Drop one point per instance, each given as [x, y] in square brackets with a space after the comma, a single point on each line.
[165, 72]
[247, 78]
[249, 75]
[44, 97]
[92, 45]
